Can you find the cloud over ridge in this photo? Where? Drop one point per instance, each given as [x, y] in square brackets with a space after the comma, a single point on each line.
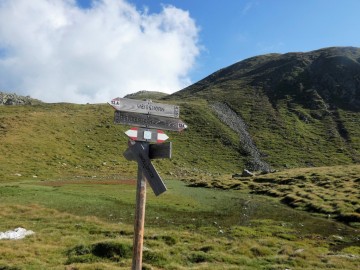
[56, 51]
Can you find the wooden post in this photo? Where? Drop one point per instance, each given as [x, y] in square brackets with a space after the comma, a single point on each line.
[147, 116]
[139, 218]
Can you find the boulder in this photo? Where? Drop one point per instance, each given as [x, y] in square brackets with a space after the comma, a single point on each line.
[247, 173]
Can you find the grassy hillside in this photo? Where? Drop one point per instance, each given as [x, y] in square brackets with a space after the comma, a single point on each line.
[56, 140]
[301, 109]
[87, 224]
[63, 175]
[332, 192]
[67, 141]
[61, 140]
[291, 126]
[142, 95]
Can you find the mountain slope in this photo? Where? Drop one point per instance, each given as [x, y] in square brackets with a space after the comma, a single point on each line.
[146, 95]
[332, 74]
[263, 113]
[68, 140]
[301, 109]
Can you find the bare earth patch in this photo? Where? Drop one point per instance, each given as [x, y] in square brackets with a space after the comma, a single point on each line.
[61, 183]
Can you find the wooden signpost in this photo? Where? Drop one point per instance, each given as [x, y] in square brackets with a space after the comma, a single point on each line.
[148, 121]
[156, 151]
[145, 107]
[140, 151]
[149, 117]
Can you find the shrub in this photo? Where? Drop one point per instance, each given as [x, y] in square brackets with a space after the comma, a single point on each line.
[108, 250]
[199, 257]
[112, 250]
[154, 258]
[260, 251]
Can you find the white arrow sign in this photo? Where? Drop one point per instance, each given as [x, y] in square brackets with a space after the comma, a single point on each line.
[148, 121]
[145, 107]
[146, 135]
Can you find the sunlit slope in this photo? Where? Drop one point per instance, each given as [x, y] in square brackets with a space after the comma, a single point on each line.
[57, 140]
[301, 109]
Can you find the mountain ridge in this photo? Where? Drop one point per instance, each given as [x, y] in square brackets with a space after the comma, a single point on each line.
[276, 128]
[294, 100]
[332, 72]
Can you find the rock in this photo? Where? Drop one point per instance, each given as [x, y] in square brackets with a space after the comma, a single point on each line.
[236, 123]
[15, 234]
[246, 173]
[14, 99]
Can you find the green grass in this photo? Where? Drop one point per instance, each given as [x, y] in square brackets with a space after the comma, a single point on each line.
[153, 95]
[57, 140]
[62, 175]
[332, 192]
[89, 226]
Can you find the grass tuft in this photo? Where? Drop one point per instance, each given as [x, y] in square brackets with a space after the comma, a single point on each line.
[154, 258]
[110, 250]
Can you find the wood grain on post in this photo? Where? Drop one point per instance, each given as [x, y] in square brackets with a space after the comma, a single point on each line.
[139, 221]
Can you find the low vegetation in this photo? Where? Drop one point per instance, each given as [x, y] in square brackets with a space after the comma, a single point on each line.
[88, 225]
[63, 175]
[332, 192]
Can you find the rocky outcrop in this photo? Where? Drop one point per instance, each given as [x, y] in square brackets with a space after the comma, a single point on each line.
[14, 99]
[236, 123]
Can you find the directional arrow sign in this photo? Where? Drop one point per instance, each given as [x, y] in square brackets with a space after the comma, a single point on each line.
[140, 152]
[145, 107]
[147, 135]
[149, 121]
[156, 151]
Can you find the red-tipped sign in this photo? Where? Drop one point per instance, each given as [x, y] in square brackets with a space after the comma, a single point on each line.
[146, 135]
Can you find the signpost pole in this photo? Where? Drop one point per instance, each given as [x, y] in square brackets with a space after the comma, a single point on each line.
[139, 218]
[150, 117]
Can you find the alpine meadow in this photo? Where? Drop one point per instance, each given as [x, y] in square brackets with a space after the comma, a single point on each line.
[266, 176]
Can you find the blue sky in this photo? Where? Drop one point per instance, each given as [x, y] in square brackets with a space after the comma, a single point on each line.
[233, 30]
[94, 50]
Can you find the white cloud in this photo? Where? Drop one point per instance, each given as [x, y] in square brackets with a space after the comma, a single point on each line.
[55, 51]
[248, 7]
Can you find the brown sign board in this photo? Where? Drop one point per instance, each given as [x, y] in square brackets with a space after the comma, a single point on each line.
[140, 154]
[145, 107]
[148, 121]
